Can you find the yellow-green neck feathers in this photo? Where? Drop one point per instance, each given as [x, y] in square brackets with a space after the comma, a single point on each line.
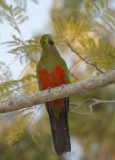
[50, 58]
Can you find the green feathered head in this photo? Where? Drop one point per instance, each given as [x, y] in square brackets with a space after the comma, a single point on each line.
[46, 41]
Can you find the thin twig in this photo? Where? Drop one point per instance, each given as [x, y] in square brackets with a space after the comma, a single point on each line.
[34, 116]
[74, 64]
[84, 59]
[72, 74]
[14, 60]
[23, 42]
[94, 102]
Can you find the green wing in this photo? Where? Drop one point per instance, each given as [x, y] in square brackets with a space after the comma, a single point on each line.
[66, 70]
[38, 79]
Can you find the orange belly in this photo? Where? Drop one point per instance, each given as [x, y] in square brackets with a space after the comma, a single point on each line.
[53, 78]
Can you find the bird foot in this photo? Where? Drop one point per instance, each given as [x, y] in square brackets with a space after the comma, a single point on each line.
[49, 89]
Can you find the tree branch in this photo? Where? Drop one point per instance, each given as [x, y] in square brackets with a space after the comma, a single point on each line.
[94, 102]
[81, 87]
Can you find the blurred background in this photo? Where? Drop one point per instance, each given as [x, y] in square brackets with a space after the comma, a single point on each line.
[83, 32]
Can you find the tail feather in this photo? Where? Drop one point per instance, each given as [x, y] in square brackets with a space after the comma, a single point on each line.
[60, 129]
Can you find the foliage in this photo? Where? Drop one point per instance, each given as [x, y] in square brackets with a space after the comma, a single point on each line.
[78, 35]
[22, 49]
[71, 32]
[4, 72]
[26, 148]
[16, 87]
[4, 8]
[103, 12]
[23, 3]
[17, 130]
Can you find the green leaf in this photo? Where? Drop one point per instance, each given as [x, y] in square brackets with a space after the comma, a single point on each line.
[23, 20]
[109, 19]
[82, 14]
[16, 39]
[102, 3]
[94, 5]
[107, 22]
[19, 17]
[111, 12]
[107, 3]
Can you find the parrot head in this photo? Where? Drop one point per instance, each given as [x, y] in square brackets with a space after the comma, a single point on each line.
[46, 41]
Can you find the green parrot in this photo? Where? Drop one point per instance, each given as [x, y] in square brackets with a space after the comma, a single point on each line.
[52, 72]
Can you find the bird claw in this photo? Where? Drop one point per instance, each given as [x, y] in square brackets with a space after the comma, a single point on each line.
[62, 85]
[49, 89]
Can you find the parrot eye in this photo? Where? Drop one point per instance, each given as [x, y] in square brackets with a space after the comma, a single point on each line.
[44, 42]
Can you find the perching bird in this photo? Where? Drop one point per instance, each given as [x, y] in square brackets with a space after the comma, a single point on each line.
[51, 72]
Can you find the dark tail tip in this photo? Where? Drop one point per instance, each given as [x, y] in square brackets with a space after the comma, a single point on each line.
[66, 147]
[62, 152]
[60, 135]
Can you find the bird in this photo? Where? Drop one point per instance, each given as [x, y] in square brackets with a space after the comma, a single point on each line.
[52, 71]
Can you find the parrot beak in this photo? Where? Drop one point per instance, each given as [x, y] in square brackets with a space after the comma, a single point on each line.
[50, 41]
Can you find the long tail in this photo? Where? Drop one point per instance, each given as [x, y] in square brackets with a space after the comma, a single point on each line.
[60, 129]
